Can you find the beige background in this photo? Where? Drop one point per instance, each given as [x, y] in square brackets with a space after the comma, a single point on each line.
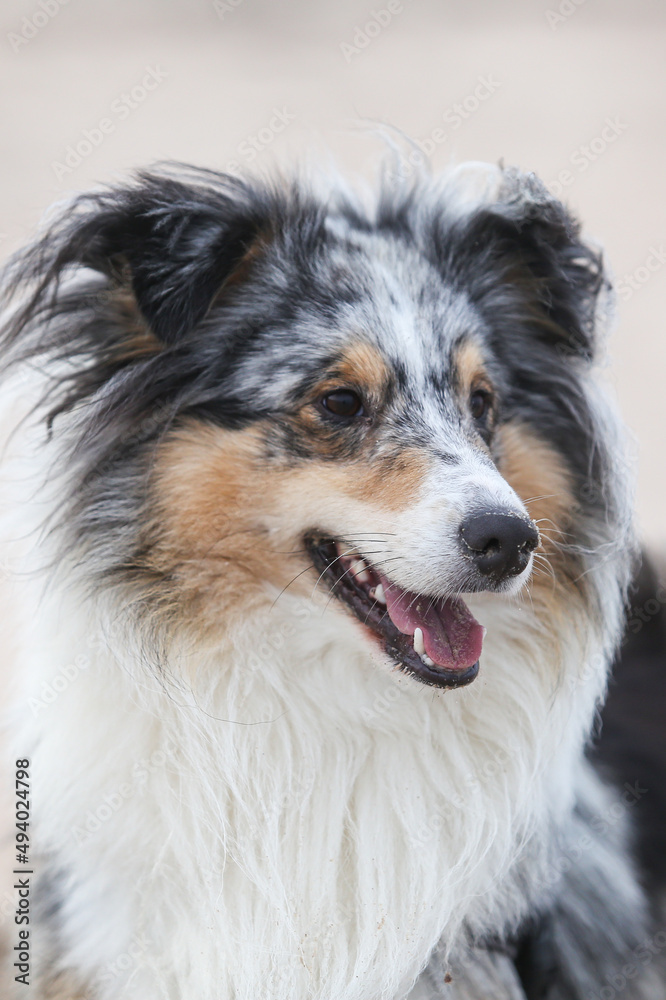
[557, 69]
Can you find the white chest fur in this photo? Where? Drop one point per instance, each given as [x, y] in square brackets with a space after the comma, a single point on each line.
[306, 823]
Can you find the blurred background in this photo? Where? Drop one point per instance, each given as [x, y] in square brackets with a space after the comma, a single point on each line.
[574, 90]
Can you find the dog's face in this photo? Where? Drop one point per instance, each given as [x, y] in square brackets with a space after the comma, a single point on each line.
[368, 450]
[387, 407]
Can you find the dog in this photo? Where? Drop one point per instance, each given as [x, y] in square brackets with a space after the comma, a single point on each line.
[325, 537]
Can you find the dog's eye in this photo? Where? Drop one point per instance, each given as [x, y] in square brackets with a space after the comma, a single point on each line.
[479, 404]
[343, 403]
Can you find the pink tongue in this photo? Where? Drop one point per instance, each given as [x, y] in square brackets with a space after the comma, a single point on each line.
[451, 634]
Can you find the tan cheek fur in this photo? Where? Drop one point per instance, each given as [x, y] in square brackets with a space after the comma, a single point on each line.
[540, 478]
[225, 519]
[207, 531]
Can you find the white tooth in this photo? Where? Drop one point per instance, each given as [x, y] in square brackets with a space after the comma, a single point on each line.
[419, 646]
[379, 594]
[426, 659]
[360, 571]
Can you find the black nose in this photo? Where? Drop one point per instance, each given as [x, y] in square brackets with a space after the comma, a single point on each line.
[499, 542]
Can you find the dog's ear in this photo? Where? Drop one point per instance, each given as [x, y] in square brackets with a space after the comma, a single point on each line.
[173, 244]
[531, 242]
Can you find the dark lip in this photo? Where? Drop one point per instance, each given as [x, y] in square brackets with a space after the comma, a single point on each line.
[321, 549]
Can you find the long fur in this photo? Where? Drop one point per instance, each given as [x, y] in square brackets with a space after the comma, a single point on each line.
[235, 795]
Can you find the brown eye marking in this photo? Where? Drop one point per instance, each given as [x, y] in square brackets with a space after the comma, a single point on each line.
[343, 404]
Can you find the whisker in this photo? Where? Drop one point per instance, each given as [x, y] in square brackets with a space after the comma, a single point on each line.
[549, 520]
[299, 552]
[389, 560]
[546, 496]
[328, 566]
[354, 534]
[544, 561]
[332, 593]
[558, 543]
[298, 575]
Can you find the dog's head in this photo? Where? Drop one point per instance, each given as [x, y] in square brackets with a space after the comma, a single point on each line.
[266, 391]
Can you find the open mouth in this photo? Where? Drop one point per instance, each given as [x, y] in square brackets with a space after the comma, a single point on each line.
[436, 639]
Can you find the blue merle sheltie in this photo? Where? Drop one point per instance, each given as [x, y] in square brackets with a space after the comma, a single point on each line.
[319, 538]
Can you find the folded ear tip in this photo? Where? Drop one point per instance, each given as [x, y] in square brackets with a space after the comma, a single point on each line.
[179, 253]
[540, 244]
